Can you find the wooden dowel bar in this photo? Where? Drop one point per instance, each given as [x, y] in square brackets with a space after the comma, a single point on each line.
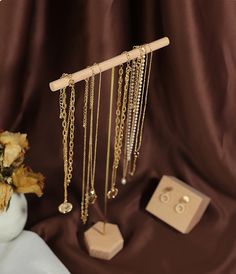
[108, 64]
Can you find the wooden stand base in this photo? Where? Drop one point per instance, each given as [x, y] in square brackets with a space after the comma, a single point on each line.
[103, 243]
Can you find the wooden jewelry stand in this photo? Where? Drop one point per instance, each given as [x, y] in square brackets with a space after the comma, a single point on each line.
[104, 240]
[108, 64]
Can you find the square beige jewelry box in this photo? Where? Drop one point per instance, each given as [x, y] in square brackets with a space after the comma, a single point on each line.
[177, 204]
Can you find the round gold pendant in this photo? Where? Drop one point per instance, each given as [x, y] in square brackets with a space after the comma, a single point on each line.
[65, 207]
[111, 194]
[92, 196]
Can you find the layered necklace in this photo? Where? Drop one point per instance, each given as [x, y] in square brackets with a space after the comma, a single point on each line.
[137, 104]
[131, 103]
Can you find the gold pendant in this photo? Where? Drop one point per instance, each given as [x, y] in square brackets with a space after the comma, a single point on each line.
[112, 193]
[65, 207]
[92, 196]
[123, 181]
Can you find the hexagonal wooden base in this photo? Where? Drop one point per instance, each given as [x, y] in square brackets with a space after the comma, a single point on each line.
[103, 246]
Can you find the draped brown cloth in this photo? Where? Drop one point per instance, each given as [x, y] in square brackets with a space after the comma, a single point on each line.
[189, 130]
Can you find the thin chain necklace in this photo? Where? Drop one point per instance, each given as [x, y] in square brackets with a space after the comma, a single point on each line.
[68, 128]
[137, 106]
[139, 135]
[120, 131]
[137, 97]
[127, 151]
[85, 111]
[140, 116]
[113, 190]
[90, 149]
[87, 181]
[108, 144]
[89, 195]
[133, 110]
[92, 193]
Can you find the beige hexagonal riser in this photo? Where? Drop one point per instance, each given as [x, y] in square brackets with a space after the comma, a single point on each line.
[103, 245]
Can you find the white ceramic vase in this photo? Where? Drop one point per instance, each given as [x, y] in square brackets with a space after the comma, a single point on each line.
[12, 221]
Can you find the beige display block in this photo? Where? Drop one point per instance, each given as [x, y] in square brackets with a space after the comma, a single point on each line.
[177, 204]
[103, 245]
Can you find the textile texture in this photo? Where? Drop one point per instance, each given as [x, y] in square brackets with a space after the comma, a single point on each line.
[189, 129]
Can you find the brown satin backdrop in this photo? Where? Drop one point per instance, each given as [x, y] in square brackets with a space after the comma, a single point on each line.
[189, 131]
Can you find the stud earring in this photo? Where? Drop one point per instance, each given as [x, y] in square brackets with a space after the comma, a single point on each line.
[181, 206]
[165, 196]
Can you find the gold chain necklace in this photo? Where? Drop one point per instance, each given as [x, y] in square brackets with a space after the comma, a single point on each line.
[119, 138]
[136, 100]
[136, 112]
[132, 115]
[141, 80]
[127, 151]
[85, 111]
[139, 136]
[68, 127]
[136, 94]
[108, 143]
[92, 192]
[89, 195]
[113, 190]
[87, 180]
[90, 150]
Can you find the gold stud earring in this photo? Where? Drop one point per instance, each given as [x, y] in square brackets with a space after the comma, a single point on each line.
[165, 196]
[181, 206]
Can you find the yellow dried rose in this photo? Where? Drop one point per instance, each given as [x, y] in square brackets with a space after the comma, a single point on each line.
[15, 144]
[27, 181]
[11, 138]
[6, 192]
[11, 153]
